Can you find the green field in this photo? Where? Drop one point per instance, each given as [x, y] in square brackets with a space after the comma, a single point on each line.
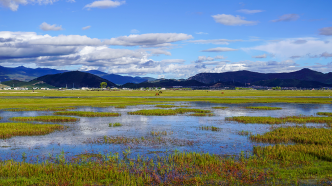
[308, 159]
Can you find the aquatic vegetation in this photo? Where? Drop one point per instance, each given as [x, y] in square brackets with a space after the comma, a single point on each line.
[212, 128]
[244, 133]
[264, 108]
[146, 141]
[281, 120]
[8, 130]
[165, 112]
[202, 114]
[120, 106]
[166, 106]
[159, 133]
[324, 113]
[45, 118]
[88, 114]
[41, 109]
[115, 125]
[219, 107]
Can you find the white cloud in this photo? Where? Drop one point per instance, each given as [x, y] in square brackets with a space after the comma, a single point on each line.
[158, 52]
[47, 27]
[219, 49]
[287, 17]
[213, 41]
[201, 33]
[260, 56]
[231, 20]
[172, 61]
[327, 31]
[246, 11]
[14, 4]
[288, 48]
[104, 4]
[148, 39]
[134, 31]
[86, 27]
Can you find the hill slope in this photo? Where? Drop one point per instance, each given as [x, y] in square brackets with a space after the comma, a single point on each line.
[74, 79]
[250, 77]
[291, 83]
[30, 84]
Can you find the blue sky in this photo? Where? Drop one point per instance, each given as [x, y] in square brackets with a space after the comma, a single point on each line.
[170, 39]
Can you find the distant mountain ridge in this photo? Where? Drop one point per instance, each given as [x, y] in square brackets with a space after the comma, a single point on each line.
[74, 79]
[245, 76]
[118, 79]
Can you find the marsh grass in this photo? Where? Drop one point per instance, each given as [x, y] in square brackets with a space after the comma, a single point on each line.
[212, 128]
[324, 113]
[120, 106]
[115, 125]
[166, 106]
[8, 130]
[264, 108]
[219, 107]
[88, 114]
[202, 114]
[41, 109]
[244, 133]
[165, 112]
[45, 118]
[281, 120]
[146, 141]
[160, 133]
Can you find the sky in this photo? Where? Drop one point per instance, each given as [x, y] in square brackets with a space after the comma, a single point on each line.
[167, 38]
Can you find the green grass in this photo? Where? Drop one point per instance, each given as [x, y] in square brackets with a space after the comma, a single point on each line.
[121, 106]
[45, 118]
[166, 106]
[202, 114]
[8, 130]
[115, 125]
[281, 120]
[166, 112]
[41, 109]
[324, 113]
[264, 108]
[88, 114]
[159, 133]
[244, 133]
[212, 128]
[219, 107]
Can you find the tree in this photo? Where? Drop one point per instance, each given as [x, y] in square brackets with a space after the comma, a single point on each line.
[103, 85]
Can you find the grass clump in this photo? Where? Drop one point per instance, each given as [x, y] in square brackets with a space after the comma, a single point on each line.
[8, 130]
[264, 108]
[88, 114]
[120, 106]
[201, 114]
[115, 125]
[244, 133]
[281, 120]
[45, 118]
[41, 109]
[163, 112]
[166, 106]
[324, 113]
[212, 128]
[219, 107]
[159, 133]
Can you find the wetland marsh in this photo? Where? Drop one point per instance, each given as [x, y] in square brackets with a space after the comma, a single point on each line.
[170, 145]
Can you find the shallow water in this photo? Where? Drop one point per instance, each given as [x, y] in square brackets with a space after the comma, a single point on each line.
[74, 140]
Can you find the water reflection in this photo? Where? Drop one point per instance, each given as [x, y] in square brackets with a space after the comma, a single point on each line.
[184, 127]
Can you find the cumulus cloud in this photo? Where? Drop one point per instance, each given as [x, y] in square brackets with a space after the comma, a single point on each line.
[172, 61]
[14, 4]
[86, 27]
[219, 49]
[201, 33]
[231, 20]
[148, 39]
[104, 4]
[300, 41]
[203, 60]
[287, 17]
[288, 47]
[47, 27]
[159, 51]
[214, 41]
[327, 31]
[260, 56]
[134, 31]
[246, 11]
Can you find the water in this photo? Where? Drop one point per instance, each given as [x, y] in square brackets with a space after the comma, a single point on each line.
[74, 140]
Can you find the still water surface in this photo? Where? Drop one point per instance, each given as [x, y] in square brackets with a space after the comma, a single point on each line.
[74, 140]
